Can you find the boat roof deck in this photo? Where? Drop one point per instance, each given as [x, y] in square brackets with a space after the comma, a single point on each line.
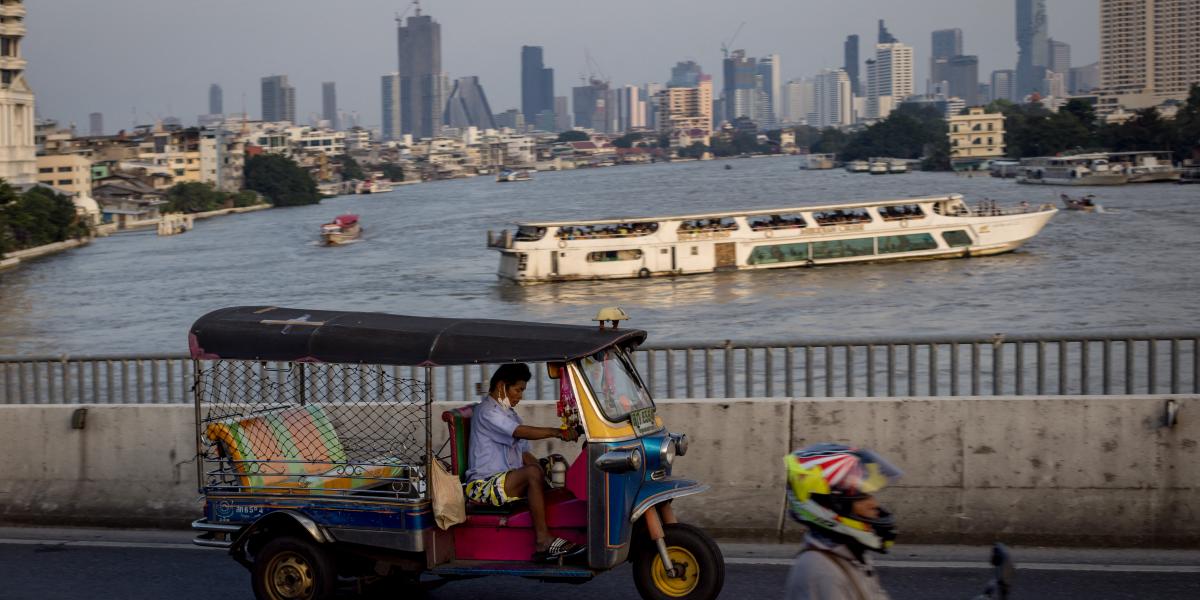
[744, 213]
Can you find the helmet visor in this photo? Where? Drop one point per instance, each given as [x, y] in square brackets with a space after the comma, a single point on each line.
[875, 473]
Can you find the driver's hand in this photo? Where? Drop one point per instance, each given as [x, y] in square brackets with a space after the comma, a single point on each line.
[568, 435]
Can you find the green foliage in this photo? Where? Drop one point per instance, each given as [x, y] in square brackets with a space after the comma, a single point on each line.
[193, 197]
[39, 216]
[696, 150]
[281, 180]
[906, 133]
[627, 140]
[830, 140]
[350, 168]
[246, 198]
[573, 136]
[392, 171]
[742, 142]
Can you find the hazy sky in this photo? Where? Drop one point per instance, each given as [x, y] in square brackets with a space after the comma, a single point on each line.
[152, 58]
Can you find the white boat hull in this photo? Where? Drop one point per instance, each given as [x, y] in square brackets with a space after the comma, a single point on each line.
[667, 252]
[1107, 179]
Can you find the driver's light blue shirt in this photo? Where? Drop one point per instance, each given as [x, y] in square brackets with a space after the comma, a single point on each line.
[493, 447]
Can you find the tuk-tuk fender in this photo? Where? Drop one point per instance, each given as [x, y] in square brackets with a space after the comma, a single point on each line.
[285, 518]
[656, 492]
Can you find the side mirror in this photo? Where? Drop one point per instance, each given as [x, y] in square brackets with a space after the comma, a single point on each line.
[554, 370]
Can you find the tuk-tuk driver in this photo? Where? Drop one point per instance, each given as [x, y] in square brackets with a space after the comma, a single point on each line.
[502, 468]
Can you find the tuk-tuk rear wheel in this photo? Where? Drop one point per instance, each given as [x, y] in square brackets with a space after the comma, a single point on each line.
[701, 568]
[291, 568]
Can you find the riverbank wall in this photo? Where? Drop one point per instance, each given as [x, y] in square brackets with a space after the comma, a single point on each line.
[16, 257]
[1087, 470]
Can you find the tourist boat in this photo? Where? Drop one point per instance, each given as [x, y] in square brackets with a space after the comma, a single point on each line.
[897, 165]
[1145, 166]
[818, 162]
[1004, 169]
[506, 175]
[373, 186]
[858, 166]
[1084, 203]
[878, 167]
[911, 228]
[342, 229]
[1081, 169]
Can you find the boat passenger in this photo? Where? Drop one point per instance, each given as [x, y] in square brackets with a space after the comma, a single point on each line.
[502, 467]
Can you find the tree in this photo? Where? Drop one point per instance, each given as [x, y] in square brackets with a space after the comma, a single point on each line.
[696, 150]
[350, 168]
[392, 171]
[906, 133]
[39, 216]
[573, 135]
[280, 180]
[193, 197]
[627, 140]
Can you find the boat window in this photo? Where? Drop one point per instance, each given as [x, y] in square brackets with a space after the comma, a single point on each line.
[771, 222]
[615, 385]
[614, 255]
[843, 248]
[901, 212]
[706, 225]
[842, 217]
[956, 238]
[526, 233]
[522, 261]
[778, 253]
[906, 243]
[606, 230]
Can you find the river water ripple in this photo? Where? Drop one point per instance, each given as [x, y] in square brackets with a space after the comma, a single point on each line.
[1130, 268]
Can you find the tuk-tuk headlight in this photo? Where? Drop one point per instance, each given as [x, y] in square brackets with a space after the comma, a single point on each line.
[620, 461]
[667, 454]
[681, 443]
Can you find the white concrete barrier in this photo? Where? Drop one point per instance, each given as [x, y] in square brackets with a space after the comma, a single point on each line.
[1050, 470]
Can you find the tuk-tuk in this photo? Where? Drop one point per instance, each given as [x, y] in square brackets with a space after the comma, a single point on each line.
[316, 439]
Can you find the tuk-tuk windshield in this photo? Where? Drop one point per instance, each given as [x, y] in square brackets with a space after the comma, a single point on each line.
[615, 385]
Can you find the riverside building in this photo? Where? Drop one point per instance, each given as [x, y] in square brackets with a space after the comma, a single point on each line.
[1149, 52]
[975, 137]
[686, 108]
[18, 162]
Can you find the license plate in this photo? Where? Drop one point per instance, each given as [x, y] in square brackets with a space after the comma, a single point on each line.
[642, 420]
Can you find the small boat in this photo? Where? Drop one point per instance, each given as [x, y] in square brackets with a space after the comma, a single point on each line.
[1083, 203]
[343, 228]
[858, 166]
[878, 167]
[1004, 169]
[372, 186]
[728, 167]
[514, 175]
[818, 162]
[897, 165]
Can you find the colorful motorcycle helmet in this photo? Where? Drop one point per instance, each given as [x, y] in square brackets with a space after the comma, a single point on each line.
[824, 481]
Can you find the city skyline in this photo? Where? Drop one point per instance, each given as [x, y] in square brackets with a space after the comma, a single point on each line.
[147, 92]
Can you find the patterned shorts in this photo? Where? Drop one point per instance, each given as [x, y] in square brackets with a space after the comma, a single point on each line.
[489, 490]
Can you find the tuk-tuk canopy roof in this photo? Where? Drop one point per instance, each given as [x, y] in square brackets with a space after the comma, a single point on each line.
[300, 335]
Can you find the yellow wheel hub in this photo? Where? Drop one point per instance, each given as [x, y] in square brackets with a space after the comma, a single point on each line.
[289, 577]
[676, 587]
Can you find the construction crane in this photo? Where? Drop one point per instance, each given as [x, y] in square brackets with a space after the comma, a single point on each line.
[400, 16]
[726, 44]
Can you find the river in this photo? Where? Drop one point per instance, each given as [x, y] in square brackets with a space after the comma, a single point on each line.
[1132, 267]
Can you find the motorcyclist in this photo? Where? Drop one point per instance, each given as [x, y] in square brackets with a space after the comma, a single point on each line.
[831, 490]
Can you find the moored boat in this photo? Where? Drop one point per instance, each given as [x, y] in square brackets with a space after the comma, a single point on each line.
[507, 175]
[905, 229]
[878, 167]
[343, 228]
[897, 165]
[818, 162]
[1081, 169]
[1004, 168]
[1083, 203]
[858, 166]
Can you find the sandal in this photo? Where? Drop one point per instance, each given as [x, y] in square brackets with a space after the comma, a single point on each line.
[559, 548]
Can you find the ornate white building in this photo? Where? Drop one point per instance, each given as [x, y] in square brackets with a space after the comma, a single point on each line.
[18, 160]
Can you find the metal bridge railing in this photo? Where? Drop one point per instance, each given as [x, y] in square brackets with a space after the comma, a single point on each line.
[1120, 363]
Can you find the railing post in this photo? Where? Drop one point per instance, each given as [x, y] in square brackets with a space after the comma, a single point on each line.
[891, 370]
[729, 379]
[933, 369]
[65, 376]
[1041, 368]
[1019, 369]
[1062, 368]
[1084, 370]
[1151, 367]
[912, 369]
[769, 372]
[870, 370]
[789, 365]
[670, 373]
[998, 368]
[849, 370]
[1174, 366]
[1129, 350]
[954, 366]
[808, 371]
[688, 373]
[748, 370]
[1106, 368]
[974, 368]
[708, 373]
[651, 371]
[828, 371]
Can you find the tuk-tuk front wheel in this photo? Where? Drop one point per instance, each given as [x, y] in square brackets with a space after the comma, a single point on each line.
[699, 566]
[290, 568]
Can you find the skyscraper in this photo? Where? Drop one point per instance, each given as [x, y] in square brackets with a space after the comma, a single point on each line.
[390, 96]
[422, 82]
[537, 83]
[1149, 51]
[961, 72]
[278, 99]
[832, 100]
[467, 106]
[686, 108]
[850, 63]
[1003, 84]
[18, 153]
[885, 36]
[631, 109]
[768, 69]
[741, 86]
[562, 116]
[947, 43]
[1058, 57]
[329, 110]
[216, 100]
[590, 104]
[1031, 46]
[798, 99]
[685, 74]
[889, 78]
[95, 124]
